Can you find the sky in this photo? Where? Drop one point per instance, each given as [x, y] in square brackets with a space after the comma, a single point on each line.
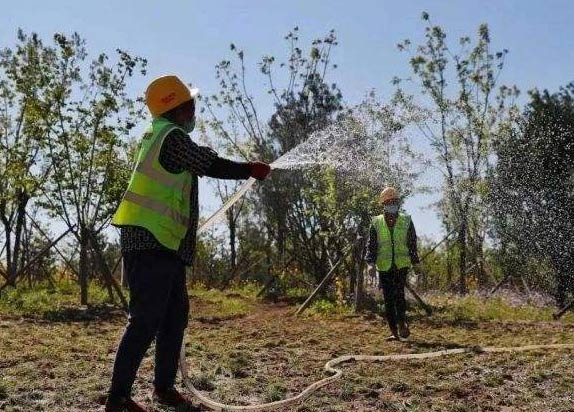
[189, 38]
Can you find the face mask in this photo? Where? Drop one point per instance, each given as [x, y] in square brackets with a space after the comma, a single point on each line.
[189, 125]
[392, 209]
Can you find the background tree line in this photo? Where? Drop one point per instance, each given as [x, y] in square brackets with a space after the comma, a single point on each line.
[66, 134]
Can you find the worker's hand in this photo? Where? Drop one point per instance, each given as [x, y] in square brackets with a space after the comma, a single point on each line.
[259, 170]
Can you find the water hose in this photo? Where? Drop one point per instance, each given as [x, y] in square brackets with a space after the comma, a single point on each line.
[218, 215]
[337, 373]
[331, 365]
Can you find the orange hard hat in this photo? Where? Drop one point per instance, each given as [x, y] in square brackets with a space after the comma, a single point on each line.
[389, 193]
[166, 93]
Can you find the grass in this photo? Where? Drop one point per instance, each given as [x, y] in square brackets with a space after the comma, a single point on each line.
[275, 392]
[244, 351]
[323, 307]
[477, 308]
[216, 305]
[45, 298]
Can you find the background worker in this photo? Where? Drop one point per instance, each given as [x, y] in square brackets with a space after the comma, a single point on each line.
[158, 218]
[391, 249]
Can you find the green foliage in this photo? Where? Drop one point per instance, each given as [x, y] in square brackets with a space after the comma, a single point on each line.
[533, 189]
[66, 119]
[480, 308]
[328, 307]
[275, 392]
[304, 104]
[23, 80]
[45, 297]
[87, 143]
[465, 108]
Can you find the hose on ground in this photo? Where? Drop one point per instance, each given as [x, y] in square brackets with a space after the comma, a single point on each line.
[337, 373]
[329, 366]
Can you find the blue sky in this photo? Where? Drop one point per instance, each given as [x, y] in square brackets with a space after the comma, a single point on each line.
[189, 37]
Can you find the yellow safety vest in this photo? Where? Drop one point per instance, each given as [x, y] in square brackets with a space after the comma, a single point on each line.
[396, 243]
[156, 199]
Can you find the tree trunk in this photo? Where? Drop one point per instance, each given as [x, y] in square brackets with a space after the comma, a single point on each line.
[482, 275]
[359, 290]
[20, 221]
[13, 250]
[353, 278]
[449, 263]
[359, 287]
[462, 256]
[83, 273]
[281, 235]
[232, 238]
[11, 274]
[106, 272]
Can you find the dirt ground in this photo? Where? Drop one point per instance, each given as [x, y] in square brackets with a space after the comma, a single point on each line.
[260, 352]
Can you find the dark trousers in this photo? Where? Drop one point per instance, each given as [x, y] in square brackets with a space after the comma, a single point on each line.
[159, 308]
[393, 284]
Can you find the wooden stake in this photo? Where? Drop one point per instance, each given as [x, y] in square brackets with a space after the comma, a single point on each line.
[427, 308]
[66, 260]
[12, 280]
[108, 276]
[270, 280]
[325, 281]
[499, 284]
[562, 311]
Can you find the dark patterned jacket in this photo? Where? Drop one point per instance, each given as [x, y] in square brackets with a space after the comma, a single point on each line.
[179, 153]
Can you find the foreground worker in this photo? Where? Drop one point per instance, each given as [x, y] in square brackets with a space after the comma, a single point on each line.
[391, 250]
[158, 219]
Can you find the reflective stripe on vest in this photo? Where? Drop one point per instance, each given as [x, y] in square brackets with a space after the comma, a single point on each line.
[156, 206]
[397, 243]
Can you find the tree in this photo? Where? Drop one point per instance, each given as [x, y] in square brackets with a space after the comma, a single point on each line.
[464, 114]
[24, 78]
[89, 115]
[226, 188]
[309, 216]
[305, 104]
[533, 188]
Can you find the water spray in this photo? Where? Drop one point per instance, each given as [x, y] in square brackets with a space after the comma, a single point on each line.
[330, 366]
[345, 147]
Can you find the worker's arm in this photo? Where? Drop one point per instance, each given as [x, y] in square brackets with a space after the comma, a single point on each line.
[179, 153]
[372, 246]
[228, 169]
[412, 244]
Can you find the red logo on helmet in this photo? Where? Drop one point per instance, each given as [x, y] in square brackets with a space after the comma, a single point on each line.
[169, 98]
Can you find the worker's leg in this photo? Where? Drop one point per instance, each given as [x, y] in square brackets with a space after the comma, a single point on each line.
[387, 283]
[150, 286]
[400, 301]
[170, 335]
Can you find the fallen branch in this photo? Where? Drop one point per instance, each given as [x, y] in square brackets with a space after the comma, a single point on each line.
[325, 281]
[12, 280]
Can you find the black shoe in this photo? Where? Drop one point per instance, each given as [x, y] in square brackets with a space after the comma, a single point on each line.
[123, 405]
[171, 397]
[404, 331]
